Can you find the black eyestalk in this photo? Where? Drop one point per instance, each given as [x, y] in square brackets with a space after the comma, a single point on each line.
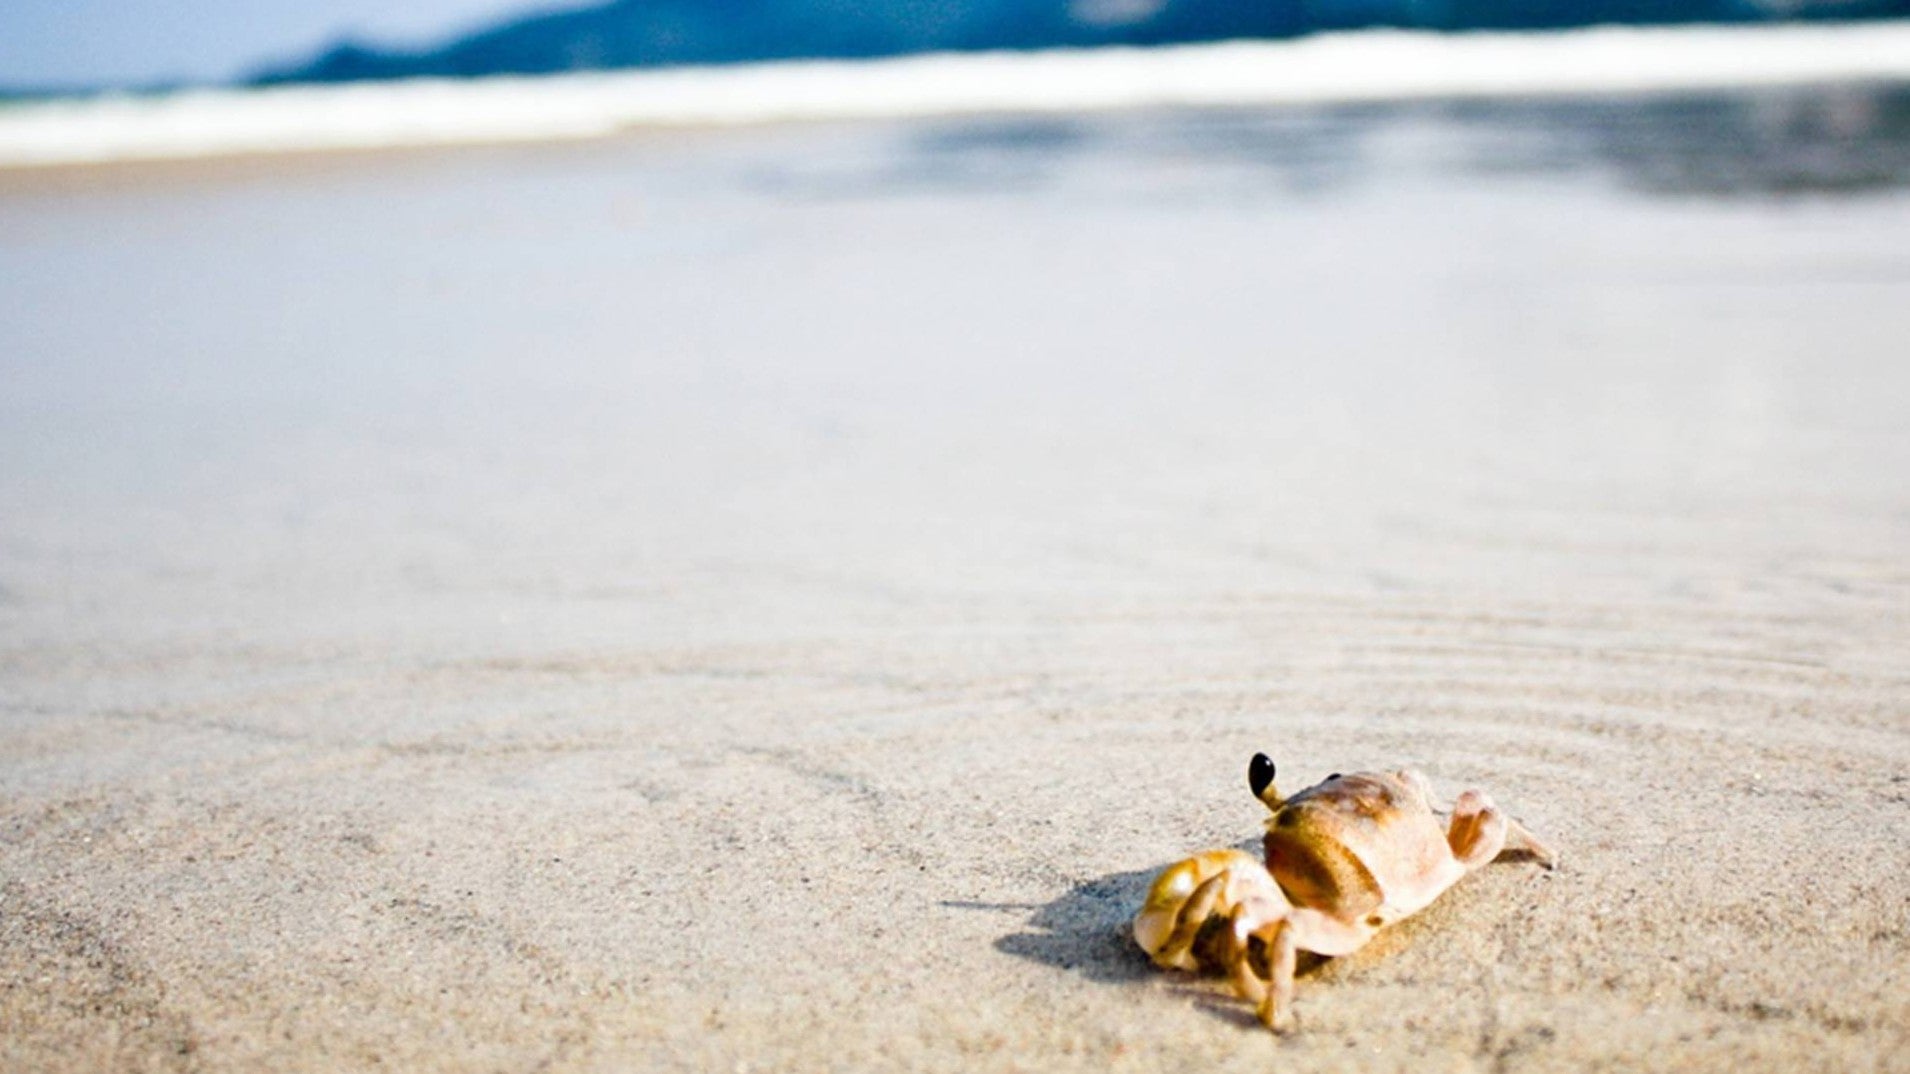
[1260, 774]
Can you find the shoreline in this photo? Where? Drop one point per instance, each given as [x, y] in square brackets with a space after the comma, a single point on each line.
[1351, 68]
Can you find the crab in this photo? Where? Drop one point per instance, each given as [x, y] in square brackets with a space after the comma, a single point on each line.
[1344, 859]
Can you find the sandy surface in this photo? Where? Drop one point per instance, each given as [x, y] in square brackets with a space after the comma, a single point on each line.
[770, 601]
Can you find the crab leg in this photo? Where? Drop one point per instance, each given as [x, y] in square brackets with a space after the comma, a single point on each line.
[1480, 833]
[1271, 993]
[1477, 831]
[1519, 839]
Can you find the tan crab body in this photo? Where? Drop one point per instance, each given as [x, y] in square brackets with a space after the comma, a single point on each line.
[1344, 859]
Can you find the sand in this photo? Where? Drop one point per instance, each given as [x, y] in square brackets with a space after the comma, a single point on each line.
[771, 600]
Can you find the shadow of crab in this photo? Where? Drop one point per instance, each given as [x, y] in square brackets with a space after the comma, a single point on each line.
[1087, 930]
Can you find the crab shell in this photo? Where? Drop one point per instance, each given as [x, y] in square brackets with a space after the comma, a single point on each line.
[1364, 848]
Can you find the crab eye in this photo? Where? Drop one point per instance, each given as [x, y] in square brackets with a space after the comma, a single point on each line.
[1333, 777]
[1260, 773]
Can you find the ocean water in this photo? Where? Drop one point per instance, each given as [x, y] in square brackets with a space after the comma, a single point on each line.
[690, 384]
[1351, 67]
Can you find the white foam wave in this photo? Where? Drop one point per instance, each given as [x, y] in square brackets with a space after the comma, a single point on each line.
[1343, 67]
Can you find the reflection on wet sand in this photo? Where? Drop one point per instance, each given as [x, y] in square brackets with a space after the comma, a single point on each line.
[1823, 140]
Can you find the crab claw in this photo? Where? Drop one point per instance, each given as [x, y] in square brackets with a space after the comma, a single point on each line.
[1214, 885]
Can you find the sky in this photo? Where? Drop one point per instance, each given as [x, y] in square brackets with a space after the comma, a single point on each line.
[89, 42]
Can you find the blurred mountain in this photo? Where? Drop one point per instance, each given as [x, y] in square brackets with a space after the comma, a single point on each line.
[653, 33]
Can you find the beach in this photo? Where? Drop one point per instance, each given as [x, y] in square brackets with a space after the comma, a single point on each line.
[770, 599]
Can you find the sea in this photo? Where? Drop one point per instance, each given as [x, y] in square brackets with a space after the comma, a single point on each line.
[710, 355]
[1346, 67]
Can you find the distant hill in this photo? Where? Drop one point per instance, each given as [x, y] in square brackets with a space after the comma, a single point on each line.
[654, 33]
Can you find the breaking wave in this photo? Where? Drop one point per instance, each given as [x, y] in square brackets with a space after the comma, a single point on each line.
[1329, 68]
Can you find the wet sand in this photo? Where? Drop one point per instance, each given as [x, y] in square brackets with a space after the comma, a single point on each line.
[770, 600]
